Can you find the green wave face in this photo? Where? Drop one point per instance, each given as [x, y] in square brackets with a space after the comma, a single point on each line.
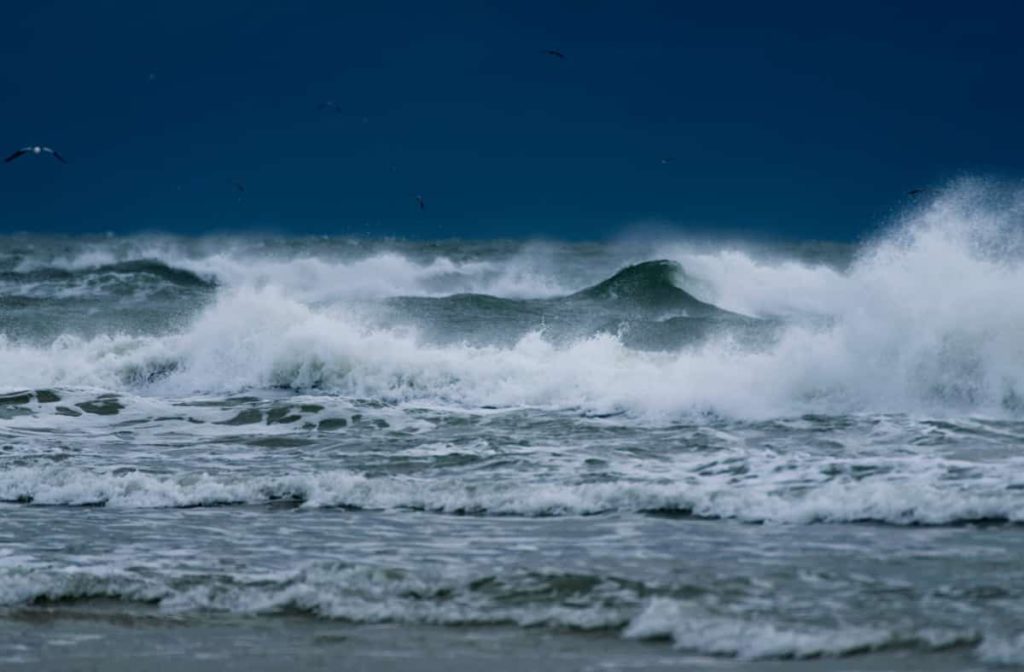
[642, 304]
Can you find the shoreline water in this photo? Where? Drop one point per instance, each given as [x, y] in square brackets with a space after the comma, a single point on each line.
[89, 638]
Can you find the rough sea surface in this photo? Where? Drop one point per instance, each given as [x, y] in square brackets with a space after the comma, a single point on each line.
[260, 451]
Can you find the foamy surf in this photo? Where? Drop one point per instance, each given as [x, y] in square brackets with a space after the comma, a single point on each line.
[911, 492]
[739, 452]
[925, 320]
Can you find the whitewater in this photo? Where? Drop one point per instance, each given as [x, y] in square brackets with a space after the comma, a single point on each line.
[642, 453]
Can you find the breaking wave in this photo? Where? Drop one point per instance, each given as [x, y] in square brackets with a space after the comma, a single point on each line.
[778, 490]
[927, 319]
[361, 594]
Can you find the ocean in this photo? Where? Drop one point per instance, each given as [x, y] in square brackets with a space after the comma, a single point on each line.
[261, 451]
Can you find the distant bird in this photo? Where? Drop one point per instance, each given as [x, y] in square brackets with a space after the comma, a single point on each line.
[329, 105]
[665, 161]
[238, 185]
[556, 54]
[913, 193]
[35, 150]
[419, 200]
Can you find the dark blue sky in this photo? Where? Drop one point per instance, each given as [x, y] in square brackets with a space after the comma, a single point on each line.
[781, 119]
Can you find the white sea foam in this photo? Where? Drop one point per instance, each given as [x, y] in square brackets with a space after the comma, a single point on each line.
[1002, 650]
[926, 321]
[780, 491]
[693, 628]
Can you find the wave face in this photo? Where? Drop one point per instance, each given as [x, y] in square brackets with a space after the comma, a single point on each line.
[744, 451]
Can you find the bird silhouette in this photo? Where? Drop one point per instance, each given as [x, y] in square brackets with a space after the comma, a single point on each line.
[555, 53]
[35, 150]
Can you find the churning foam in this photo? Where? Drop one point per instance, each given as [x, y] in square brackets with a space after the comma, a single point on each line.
[927, 319]
[906, 491]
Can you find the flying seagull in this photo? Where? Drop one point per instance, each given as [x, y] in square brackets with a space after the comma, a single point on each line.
[238, 185]
[419, 199]
[665, 161]
[35, 150]
[916, 192]
[555, 53]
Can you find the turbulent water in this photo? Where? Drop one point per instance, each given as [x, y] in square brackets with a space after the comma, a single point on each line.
[734, 451]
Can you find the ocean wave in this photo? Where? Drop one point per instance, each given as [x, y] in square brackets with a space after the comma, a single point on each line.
[118, 278]
[1002, 650]
[359, 594]
[779, 491]
[695, 629]
[326, 275]
[259, 339]
[640, 304]
[458, 597]
[925, 321]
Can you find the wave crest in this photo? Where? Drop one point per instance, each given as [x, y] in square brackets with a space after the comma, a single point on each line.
[926, 320]
[809, 492]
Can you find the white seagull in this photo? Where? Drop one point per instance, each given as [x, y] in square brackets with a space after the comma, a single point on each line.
[35, 150]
